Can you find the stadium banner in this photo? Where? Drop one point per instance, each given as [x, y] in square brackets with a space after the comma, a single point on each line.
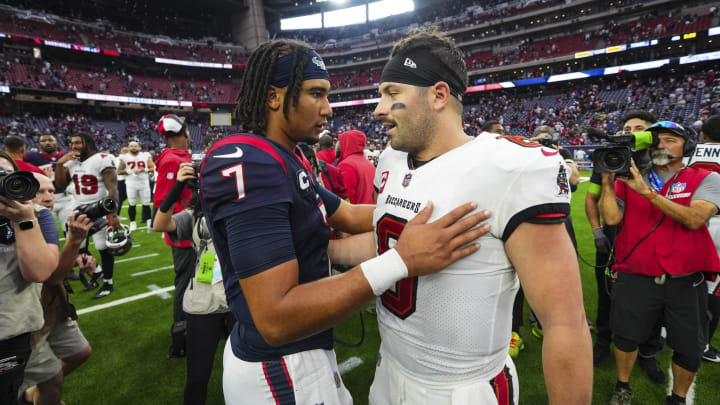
[701, 57]
[193, 63]
[354, 102]
[134, 100]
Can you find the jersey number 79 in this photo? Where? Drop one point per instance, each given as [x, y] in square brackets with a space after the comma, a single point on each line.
[402, 301]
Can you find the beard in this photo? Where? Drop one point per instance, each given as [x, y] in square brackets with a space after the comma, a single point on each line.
[661, 157]
[416, 134]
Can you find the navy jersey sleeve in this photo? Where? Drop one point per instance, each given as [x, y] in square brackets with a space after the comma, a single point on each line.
[241, 173]
[331, 201]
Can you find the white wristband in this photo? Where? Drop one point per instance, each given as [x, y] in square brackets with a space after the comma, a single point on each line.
[384, 271]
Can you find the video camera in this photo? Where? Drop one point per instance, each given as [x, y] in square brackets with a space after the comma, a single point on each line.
[98, 212]
[18, 186]
[196, 163]
[618, 150]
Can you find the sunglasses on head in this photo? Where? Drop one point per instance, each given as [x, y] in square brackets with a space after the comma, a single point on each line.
[668, 124]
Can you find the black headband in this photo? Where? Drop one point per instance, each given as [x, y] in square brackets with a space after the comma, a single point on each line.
[421, 68]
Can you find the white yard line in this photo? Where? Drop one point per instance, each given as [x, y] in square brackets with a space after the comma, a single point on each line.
[137, 258]
[125, 300]
[142, 273]
[349, 364]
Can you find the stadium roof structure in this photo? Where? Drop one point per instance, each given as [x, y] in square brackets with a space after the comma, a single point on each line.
[291, 8]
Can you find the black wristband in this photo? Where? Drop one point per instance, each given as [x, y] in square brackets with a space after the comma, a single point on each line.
[173, 196]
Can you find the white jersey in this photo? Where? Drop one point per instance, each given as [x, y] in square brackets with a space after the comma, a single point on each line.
[120, 177]
[707, 156]
[88, 185]
[372, 156]
[133, 162]
[454, 325]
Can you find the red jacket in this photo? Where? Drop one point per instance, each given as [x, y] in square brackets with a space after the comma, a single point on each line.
[671, 248]
[167, 164]
[333, 180]
[28, 167]
[326, 155]
[357, 171]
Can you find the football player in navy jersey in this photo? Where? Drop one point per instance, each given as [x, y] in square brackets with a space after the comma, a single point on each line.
[270, 223]
[47, 161]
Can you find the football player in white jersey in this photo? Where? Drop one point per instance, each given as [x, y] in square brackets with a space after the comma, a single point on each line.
[136, 166]
[707, 156]
[445, 335]
[94, 177]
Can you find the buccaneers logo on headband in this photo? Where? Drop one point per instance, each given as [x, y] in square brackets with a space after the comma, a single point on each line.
[421, 68]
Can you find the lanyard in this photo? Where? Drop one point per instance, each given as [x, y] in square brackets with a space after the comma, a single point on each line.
[655, 180]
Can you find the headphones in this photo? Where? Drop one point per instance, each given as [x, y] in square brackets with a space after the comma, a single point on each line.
[685, 132]
[691, 141]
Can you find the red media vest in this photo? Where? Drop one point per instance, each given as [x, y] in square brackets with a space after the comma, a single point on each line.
[671, 248]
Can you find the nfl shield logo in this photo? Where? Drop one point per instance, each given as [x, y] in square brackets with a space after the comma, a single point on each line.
[678, 187]
[406, 180]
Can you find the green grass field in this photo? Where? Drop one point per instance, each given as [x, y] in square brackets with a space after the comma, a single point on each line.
[130, 340]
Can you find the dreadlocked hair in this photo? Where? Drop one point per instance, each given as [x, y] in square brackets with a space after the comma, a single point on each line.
[88, 140]
[251, 102]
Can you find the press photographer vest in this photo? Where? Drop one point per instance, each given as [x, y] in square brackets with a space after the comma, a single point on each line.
[671, 248]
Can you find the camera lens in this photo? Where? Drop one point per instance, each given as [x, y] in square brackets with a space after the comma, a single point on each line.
[109, 205]
[615, 160]
[19, 186]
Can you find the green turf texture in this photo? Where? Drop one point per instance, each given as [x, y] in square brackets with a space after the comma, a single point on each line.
[130, 341]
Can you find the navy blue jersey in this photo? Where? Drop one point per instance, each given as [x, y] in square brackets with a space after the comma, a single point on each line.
[242, 173]
[42, 161]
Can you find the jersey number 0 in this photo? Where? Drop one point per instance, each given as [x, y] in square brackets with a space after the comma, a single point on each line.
[402, 301]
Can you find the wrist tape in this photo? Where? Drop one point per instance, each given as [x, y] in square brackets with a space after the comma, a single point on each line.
[382, 272]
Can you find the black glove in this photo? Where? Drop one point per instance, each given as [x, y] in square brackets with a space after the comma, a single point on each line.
[602, 243]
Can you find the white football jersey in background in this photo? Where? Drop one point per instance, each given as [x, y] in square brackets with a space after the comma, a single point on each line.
[88, 185]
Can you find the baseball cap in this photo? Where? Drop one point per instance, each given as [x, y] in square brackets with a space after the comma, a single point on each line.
[545, 129]
[170, 123]
[671, 127]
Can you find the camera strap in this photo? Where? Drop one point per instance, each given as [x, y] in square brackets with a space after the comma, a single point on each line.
[655, 180]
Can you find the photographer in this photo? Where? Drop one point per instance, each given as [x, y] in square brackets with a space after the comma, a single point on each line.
[29, 243]
[604, 236]
[59, 347]
[177, 136]
[663, 251]
[208, 317]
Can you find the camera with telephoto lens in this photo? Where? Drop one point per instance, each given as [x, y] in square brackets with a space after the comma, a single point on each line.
[98, 212]
[195, 183]
[619, 150]
[99, 209]
[548, 142]
[18, 186]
